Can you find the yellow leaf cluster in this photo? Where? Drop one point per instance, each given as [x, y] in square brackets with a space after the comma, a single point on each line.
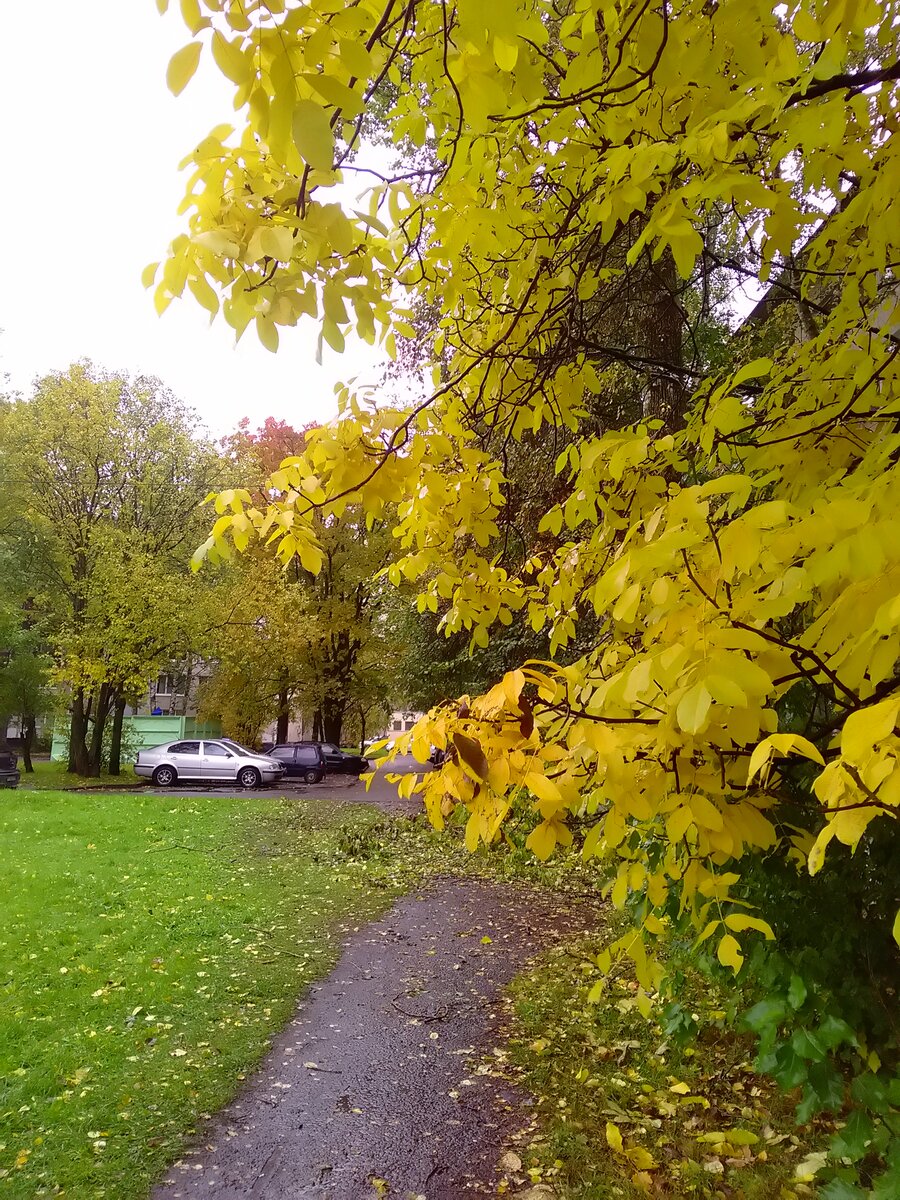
[726, 561]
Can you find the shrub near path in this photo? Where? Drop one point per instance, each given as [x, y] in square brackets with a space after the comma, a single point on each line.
[667, 1105]
[149, 947]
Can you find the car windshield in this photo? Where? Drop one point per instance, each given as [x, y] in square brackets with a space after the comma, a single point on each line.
[232, 745]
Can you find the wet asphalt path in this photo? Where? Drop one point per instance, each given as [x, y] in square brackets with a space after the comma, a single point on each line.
[377, 1076]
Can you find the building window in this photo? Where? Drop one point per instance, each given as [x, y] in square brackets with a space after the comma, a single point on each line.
[409, 725]
[398, 726]
[165, 685]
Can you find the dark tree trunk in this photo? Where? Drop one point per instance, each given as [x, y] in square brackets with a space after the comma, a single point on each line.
[115, 741]
[362, 730]
[284, 716]
[101, 712]
[78, 755]
[318, 729]
[188, 679]
[333, 720]
[27, 743]
[665, 396]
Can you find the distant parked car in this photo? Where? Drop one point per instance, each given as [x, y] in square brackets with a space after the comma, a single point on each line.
[334, 758]
[341, 762]
[301, 760]
[9, 772]
[219, 761]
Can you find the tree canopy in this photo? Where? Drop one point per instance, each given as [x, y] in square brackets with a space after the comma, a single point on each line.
[575, 181]
[106, 475]
[298, 641]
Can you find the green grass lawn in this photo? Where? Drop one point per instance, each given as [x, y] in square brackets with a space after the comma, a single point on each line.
[148, 947]
[48, 775]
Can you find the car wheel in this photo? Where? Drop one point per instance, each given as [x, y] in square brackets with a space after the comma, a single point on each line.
[164, 776]
[312, 776]
[249, 777]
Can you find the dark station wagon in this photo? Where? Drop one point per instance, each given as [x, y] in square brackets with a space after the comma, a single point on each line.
[308, 759]
[304, 761]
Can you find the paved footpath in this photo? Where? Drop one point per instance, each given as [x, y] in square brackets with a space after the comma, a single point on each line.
[373, 1088]
[342, 789]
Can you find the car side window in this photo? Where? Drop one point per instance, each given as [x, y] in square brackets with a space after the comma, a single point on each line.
[308, 754]
[329, 748]
[283, 753]
[185, 748]
[214, 750]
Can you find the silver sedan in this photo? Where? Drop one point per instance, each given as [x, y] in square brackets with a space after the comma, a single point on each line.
[219, 761]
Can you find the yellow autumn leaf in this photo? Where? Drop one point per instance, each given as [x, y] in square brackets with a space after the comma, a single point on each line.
[203, 293]
[740, 922]
[506, 53]
[725, 690]
[864, 729]
[499, 775]
[234, 63]
[641, 1158]
[693, 708]
[678, 823]
[782, 744]
[729, 953]
[542, 840]
[267, 331]
[312, 135]
[543, 788]
[182, 67]
[816, 856]
[513, 682]
[704, 812]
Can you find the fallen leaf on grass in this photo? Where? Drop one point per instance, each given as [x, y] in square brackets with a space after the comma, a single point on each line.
[641, 1158]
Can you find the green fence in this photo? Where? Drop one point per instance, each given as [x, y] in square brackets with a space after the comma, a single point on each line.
[140, 733]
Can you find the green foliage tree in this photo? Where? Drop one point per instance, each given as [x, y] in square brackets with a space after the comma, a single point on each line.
[260, 650]
[732, 724]
[297, 639]
[106, 476]
[25, 665]
[25, 691]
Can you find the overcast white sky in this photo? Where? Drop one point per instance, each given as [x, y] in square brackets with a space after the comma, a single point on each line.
[91, 142]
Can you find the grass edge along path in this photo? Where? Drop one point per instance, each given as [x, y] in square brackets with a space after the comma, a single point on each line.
[53, 776]
[149, 947]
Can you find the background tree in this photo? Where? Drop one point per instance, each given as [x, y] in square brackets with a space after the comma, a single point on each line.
[305, 641]
[260, 651]
[25, 693]
[25, 665]
[107, 474]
